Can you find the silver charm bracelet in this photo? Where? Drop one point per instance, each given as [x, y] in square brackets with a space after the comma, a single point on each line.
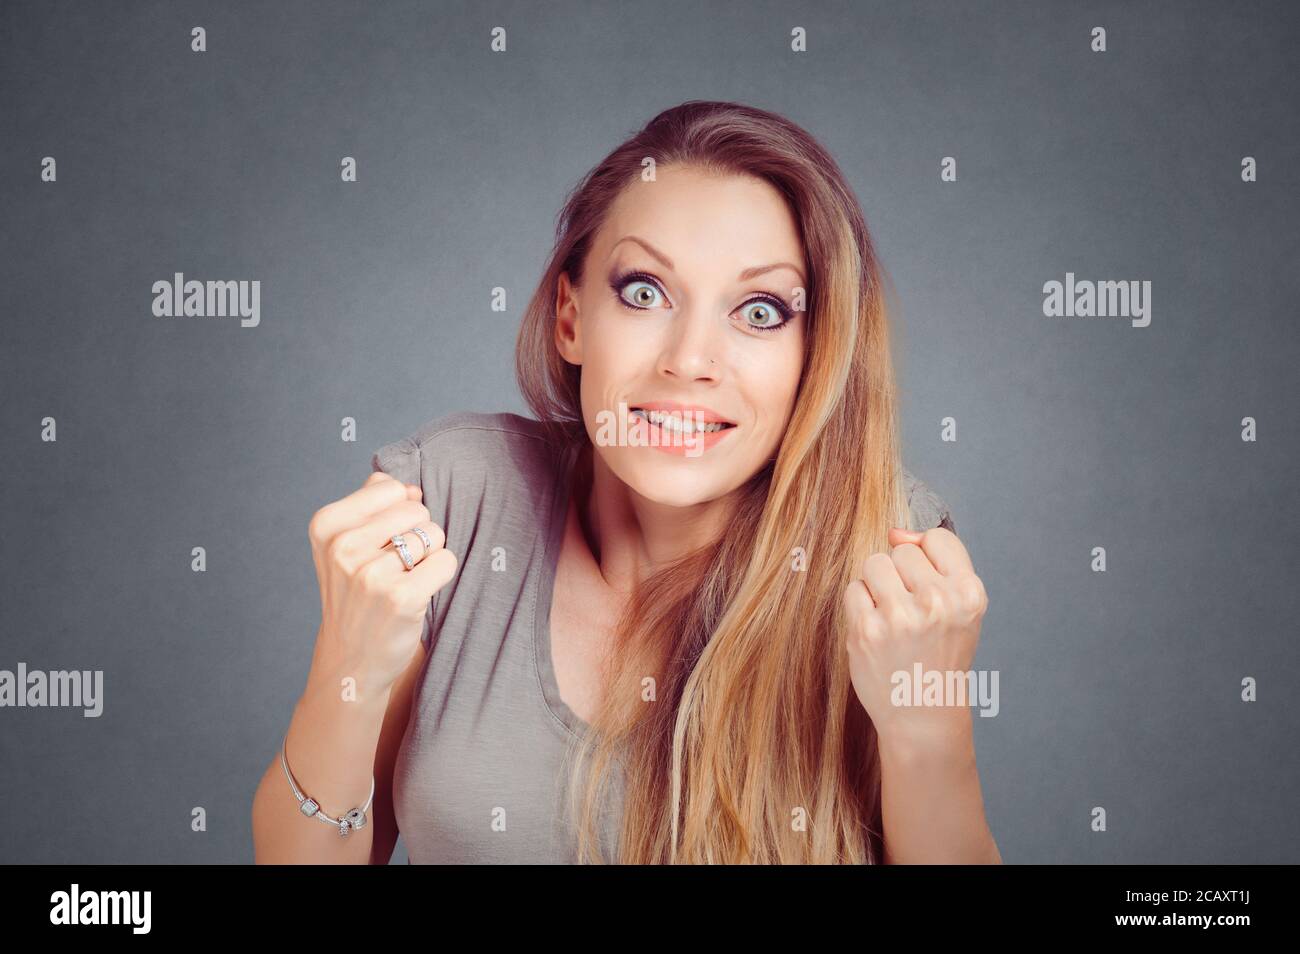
[352, 820]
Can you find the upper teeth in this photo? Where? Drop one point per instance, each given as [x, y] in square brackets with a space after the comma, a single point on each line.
[675, 422]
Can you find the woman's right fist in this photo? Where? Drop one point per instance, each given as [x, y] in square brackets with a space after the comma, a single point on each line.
[372, 607]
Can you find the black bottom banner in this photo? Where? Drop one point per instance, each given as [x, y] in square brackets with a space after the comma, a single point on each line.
[310, 903]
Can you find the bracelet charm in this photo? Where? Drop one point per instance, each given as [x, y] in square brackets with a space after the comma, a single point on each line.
[352, 820]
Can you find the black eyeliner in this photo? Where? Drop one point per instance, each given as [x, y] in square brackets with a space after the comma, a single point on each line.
[617, 280]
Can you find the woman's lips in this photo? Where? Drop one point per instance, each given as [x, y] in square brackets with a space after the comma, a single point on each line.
[696, 411]
[672, 442]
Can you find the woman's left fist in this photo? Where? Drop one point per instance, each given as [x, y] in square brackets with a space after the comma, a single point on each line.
[919, 603]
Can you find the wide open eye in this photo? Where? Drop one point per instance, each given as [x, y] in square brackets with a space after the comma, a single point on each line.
[644, 295]
[765, 314]
[637, 290]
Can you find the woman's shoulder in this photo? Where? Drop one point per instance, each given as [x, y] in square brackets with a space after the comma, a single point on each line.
[470, 429]
[469, 459]
[475, 438]
[928, 509]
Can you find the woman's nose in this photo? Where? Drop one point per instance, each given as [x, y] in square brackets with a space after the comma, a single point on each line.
[693, 347]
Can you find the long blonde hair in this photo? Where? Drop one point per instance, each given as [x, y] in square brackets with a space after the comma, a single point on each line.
[756, 748]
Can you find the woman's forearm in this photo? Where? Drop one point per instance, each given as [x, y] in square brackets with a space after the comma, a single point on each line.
[331, 745]
[932, 808]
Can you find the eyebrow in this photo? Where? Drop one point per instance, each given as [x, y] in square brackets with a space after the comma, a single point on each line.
[745, 276]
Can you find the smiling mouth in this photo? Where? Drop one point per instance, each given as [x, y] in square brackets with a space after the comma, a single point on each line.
[681, 423]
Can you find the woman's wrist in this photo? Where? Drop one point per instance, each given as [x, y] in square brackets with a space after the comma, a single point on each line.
[947, 739]
[348, 680]
[331, 741]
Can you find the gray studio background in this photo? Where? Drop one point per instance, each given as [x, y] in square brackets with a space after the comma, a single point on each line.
[1118, 689]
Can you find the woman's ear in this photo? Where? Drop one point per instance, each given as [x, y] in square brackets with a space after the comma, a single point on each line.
[568, 337]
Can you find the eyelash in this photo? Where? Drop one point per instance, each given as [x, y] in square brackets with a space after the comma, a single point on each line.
[784, 310]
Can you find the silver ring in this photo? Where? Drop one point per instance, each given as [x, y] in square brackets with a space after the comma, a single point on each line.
[399, 544]
[424, 537]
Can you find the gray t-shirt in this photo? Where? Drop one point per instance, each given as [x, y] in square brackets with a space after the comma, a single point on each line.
[481, 772]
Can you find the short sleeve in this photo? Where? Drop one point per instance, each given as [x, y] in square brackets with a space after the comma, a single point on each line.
[927, 509]
[464, 462]
[401, 459]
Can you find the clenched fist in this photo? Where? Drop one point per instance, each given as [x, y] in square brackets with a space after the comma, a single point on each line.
[372, 607]
[919, 603]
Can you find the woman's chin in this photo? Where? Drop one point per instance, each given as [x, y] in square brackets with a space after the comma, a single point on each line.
[674, 485]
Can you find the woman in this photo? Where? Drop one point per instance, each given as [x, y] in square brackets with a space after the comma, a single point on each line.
[663, 619]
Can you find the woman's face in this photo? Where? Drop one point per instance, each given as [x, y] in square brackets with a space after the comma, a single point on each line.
[688, 305]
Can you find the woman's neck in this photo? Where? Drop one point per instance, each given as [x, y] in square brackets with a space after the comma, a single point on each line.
[631, 536]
